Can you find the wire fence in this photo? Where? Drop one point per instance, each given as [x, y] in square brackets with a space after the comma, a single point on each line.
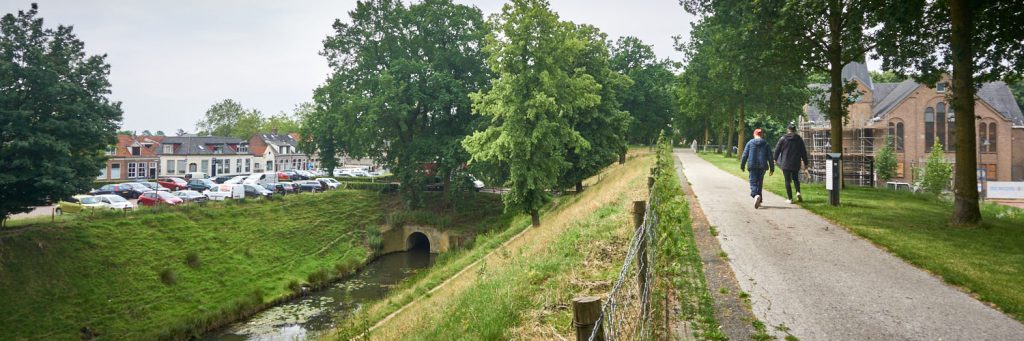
[627, 313]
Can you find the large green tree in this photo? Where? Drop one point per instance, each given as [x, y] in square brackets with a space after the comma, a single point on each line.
[55, 117]
[533, 103]
[603, 126]
[980, 41]
[399, 91]
[651, 100]
[229, 118]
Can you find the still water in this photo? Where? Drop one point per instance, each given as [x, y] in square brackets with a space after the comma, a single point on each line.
[323, 309]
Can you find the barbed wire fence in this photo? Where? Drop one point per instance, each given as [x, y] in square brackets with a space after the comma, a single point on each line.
[627, 312]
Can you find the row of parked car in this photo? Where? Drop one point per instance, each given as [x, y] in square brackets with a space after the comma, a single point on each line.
[175, 191]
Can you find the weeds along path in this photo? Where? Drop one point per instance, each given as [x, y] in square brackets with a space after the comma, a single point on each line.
[605, 189]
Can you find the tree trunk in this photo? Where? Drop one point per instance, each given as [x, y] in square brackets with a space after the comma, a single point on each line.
[721, 137]
[707, 128]
[741, 132]
[731, 128]
[535, 217]
[835, 61]
[622, 158]
[579, 187]
[965, 184]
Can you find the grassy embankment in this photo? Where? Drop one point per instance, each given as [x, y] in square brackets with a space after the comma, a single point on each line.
[987, 260]
[176, 272]
[524, 289]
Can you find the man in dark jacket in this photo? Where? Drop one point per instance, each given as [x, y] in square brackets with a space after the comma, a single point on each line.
[757, 156]
[789, 152]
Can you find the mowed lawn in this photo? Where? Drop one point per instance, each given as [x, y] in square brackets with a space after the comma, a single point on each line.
[987, 260]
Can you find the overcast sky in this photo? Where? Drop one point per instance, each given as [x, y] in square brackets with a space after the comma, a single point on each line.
[171, 60]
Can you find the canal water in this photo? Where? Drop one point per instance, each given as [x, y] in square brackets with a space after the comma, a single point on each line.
[322, 310]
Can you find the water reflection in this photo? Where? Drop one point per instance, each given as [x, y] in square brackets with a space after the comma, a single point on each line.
[324, 309]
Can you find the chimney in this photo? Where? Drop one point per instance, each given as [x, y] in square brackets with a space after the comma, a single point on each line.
[273, 131]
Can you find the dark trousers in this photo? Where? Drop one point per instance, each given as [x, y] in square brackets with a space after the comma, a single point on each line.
[756, 181]
[794, 176]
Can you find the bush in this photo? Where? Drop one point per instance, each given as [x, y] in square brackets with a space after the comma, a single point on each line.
[937, 171]
[167, 277]
[192, 260]
[885, 162]
[372, 186]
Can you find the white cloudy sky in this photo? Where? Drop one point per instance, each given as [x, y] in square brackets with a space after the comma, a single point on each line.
[171, 60]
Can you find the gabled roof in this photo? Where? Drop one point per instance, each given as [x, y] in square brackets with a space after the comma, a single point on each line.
[125, 142]
[882, 105]
[858, 71]
[198, 145]
[277, 141]
[998, 95]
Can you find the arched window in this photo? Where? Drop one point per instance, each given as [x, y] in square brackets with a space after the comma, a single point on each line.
[951, 118]
[929, 128]
[940, 123]
[899, 137]
[992, 137]
[983, 142]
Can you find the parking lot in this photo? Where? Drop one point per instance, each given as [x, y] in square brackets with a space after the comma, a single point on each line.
[46, 211]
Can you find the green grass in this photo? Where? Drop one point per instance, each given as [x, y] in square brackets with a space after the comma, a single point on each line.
[987, 260]
[171, 273]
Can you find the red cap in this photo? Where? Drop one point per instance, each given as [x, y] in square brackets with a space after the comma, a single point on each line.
[757, 131]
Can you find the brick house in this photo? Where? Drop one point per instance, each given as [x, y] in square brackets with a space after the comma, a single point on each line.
[916, 116]
[213, 155]
[279, 152]
[133, 157]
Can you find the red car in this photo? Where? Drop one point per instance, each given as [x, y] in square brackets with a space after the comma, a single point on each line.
[154, 198]
[174, 184]
[282, 176]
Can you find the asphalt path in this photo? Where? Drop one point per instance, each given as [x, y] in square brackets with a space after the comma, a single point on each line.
[822, 282]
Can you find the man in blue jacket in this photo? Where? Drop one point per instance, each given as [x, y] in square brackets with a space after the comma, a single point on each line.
[757, 157]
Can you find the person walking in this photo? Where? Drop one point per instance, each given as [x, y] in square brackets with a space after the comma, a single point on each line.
[757, 157]
[788, 153]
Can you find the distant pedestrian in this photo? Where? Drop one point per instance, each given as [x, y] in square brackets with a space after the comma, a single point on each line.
[788, 153]
[757, 157]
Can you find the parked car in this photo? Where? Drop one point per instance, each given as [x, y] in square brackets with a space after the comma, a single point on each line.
[174, 184]
[225, 191]
[280, 188]
[154, 198]
[283, 176]
[307, 174]
[200, 184]
[78, 203]
[196, 175]
[295, 175]
[236, 180]
[329, 183]
[190, 196]
[289, 187]
[153, 186]
[115, 202]
[261, 178]
[221, 179]
[125, 190]
[257, 191]
[434, 183]
[310, 186]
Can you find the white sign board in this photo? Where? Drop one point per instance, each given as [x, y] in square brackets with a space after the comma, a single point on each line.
[828, 175]
[1006, 190]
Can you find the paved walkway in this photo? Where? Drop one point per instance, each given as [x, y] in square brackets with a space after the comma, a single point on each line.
[824, 283]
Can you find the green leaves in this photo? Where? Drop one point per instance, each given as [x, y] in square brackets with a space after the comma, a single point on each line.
[55, 118]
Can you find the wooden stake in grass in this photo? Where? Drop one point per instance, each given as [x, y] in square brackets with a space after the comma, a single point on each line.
[585, 312]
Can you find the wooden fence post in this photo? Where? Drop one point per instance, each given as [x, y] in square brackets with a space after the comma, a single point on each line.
[639, 210]
[585, 312]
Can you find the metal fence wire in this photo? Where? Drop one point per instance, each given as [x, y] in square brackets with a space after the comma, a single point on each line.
[627, 313]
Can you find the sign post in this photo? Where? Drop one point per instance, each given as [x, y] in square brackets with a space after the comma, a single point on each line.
[833, 176]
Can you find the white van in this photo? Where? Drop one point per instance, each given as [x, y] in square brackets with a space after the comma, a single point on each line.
[225, 191]
[261, 178]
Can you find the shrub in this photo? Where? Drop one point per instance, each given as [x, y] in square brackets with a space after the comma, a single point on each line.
[192, 260]
[885, 162]
[371, 186]
[937, 171]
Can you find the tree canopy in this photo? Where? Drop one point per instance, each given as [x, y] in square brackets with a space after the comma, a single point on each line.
[54, 110]
[399, 91]
[229, 118]
[651, 100]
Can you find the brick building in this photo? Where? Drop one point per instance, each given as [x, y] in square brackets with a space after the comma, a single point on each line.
[916, 116]
[133, 157]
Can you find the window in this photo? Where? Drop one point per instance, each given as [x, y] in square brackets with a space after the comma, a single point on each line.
[238, 165]
[192, 167]
[992, 137]
[941, 87]
[248, 166]
[270, 165]
[206, 166]
[940, 123]
[103, 174]
[115, 171]
[181, 166]
[136, 150]
[111, 150]
[226, 166]
[170, 166]
[929, 128]
[990, 171]
[243, 148]
[168, 149]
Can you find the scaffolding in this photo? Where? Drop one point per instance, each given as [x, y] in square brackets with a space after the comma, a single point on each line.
[858, 153]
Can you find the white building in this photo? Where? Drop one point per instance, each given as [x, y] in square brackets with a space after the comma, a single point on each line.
[213, 155]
